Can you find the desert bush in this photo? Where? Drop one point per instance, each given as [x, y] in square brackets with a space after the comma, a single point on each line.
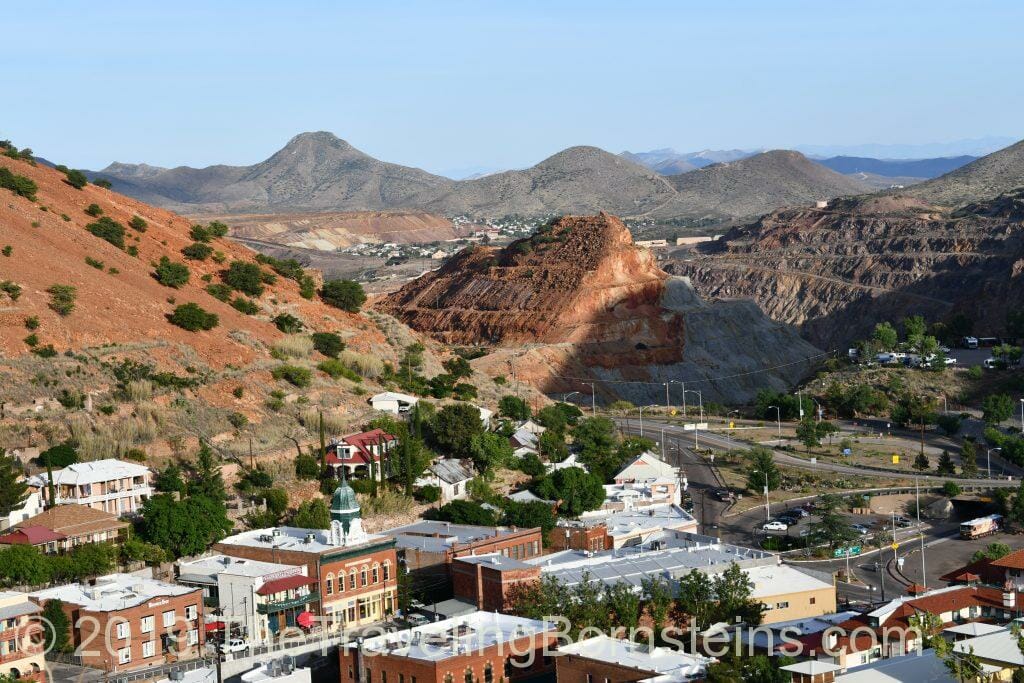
[347, 295]
[90, 261]
[193, 318]
[138, 223]
[328, 343]
[94, 210]
[76, 179]
[62, 298]
[108, 229]
[171, 274]
[366, 365]
[247, 306]
[245, 277]
[334, 368]
[288, 323]
[197, 251]
[293, 374]
[219, 291]
[296, 346]
[18, 184]
[11, 289]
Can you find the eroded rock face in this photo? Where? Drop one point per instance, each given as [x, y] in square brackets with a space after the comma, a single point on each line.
[578, 301]
[835, 272]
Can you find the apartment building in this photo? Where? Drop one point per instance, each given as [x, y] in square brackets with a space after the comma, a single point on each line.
[21, 653]
[110, 485]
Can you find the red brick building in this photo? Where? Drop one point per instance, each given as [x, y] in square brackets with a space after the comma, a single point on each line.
[487, 580]
[594, 538]
[124, 622]
[483, 646]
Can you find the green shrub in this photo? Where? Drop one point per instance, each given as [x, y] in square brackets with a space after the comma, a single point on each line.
[132, 250]
[287, 323]
[193, 318]
[428, 494]
[238, 392]
[7, 250]
[200, 234]
[171, 274]
[347, 295]
[11, 289]
[102, 182]
[335, 369]
[31, 340]
[138, 223]
[217, 229]
[45, 351]
[245, 277]
[219, 291]
[31, 323]
[108, 229]
[328, 344]
[197, 251]
[62, 298]
[293, 374]
[94, 210]
[18, 184]
[90, 261]
[247, 306]
[76, 179]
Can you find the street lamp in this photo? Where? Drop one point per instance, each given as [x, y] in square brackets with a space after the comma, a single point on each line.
[565, 397]
[700, 398]
[683, 385]
[778, 419]
[593, 397]
[641, 408]
[945, 403]
[767, 505]
[989, 457]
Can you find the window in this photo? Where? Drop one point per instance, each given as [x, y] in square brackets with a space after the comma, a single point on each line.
[469, 675]
[193, 636]
[781, 605]
[123, 630]
[124, 655]
[590, 678]
[362, 575]
[387, 571]
[813, 600]
[191, 612]
[169, 618]
[352, 579]
[330, 584]
[147, 623]
[401, 678]
[376, 573]
[383, 677]
[148, 649]
[489, 673]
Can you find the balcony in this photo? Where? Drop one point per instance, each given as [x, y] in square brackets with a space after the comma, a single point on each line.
[281, 605]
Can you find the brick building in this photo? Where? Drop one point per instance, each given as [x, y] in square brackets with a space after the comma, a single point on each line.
[486, 581]
[21, 655]
[124, 622]
[355, 574]
[482, 646]
[428, 547]
[612, 660]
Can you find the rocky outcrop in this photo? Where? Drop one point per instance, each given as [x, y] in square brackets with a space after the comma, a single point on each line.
[587, 304]
[836, 271]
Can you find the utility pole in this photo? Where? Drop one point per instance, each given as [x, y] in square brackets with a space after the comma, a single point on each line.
[778, 420]
[593, 397]
[641, 422]
[668, 405]
[917, 494]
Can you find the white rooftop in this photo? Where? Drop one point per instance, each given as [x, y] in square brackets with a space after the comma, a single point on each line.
[395, 396]
[973, 629]
[112, 592]
[290, 538]
[996, 647]
[924, 667]
[628, 522]
[647, 466]
[96, 471]
[671, 666]
[445, 639]
[200, 675]
[435, 536]
[207, 568]
[782, 578]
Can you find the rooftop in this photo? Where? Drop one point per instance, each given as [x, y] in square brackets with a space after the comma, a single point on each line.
[206, 569]
[496, 560]
[669, 665]
[628, 522]
[112, 592]
[783, 578]
[96, 471]
[919, 668]
[999, 647]
[75, 520]
[290, 538]
[647, 466]
[453, 637]
[434, 536]
[30, 535]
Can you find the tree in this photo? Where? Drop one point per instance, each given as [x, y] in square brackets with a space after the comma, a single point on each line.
[13, 489]
[807, 433]
[171, 274]
[245, 277]
[886, 336]
[623, 604]
[76, 179]
[59, 456]
[347, 295]
[951, 489]
[454, 427]
[551, 445]
[577, 490]
[831, 527]
[945, 465]
[733, 590]
[183, 527]
[312, 514]
[658, 598]
[169, 480]
[458, 367]
[409, 460]
[287, 323]
[24, 564]
[489, 451]
[760, 461]
[206, 479]
[968, 459]
[138, 223]
[552, 418]
[595, 438]
[949, 423]
[530, 515]
[306, 466]
[463, 512]
[921, 462]
[56, 627]
[193, 318]
[997, 408]
[328, 343]
[1015, 514]
[514, 408]
[993, 551]
[693, 595]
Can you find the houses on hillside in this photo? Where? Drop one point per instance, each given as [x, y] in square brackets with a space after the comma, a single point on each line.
[110, 485]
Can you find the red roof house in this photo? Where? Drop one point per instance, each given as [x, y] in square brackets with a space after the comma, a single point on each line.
[355, 452]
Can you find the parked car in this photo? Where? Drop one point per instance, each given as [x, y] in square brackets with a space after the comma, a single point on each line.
[799, 512]
[775, 525]
[862, 529]
[417, 619]
[788, 519]
[904, 522]
[724, 495]
[234, 645]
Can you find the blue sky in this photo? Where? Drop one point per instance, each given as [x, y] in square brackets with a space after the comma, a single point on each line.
[451, 86]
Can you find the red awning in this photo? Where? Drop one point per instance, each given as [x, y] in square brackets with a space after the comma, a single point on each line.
[287, 583]
[214, 626]
[305, 619]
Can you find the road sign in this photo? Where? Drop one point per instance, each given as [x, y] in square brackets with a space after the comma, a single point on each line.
[814, 461]
[895, 546]
[732, 425]
[847, 451]
[895, 458]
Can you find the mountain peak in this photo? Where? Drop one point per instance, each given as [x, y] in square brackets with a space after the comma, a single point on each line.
[318, 138]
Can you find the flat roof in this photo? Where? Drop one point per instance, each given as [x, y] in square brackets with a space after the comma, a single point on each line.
[113, 592]
[435, 536]
[292, 538]
[923, 667]
[95, 472]
[453, 637]
[496, 560]
[670, 665]
[206, 569]
[628, 522]
[781, 579]
[680, 553]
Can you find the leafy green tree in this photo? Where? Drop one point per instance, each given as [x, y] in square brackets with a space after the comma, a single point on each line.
[76, 179]
[24, 564]
[993, 551]
[945, 465]
[733, 591]
[997, 408]
[347, 295]
[530, 515]
[171, 274]
[949, 423]
[489, 451]
[59, 456]
[595, 438]
[109, 230]
[193, 318]
[623, 604]
[306, 466]
[409, 461]
[831, 527]
[807, 433]
[760, 461]
[458, 367]
[312, 514]
[328, 343]
[1015, 513]
[205, 476]
[576, 490]
[693, 599]
[951, 489]
[552, 418]
[13, 489]
[169, 479]
[463, 512]
[921, 462]
[968, 459]
[93, 559]
[276, 500]
[551, 445]
[886, 336]
[659, 598]
[56, 627]
[454, 428]
[245, 277]
[514, 408]
[137, 550]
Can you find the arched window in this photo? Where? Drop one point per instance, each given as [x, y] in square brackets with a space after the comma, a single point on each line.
[330, 584]
[448, 678]
[376, 573]
[363, 575]
[352, 579]
[387, 570]
[488, 673]
[469, 675]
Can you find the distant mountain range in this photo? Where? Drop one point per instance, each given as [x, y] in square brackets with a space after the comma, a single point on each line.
[319, 172]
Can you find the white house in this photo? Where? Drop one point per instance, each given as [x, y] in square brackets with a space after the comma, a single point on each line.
[485, 416]
[393, 402]
[571, 461]
[32, 506]
[114, 486]
[450, 475]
